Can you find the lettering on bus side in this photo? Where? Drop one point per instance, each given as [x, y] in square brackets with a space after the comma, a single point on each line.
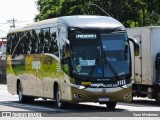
[36, 65]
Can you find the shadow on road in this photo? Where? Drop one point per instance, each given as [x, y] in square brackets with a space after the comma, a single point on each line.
[74, 110]
[50, 106]
[142, 102]
[147, 102]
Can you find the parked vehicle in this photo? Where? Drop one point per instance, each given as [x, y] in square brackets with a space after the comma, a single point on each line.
[146, 66]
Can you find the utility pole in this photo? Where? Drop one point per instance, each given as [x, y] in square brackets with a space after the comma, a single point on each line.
[12, 21]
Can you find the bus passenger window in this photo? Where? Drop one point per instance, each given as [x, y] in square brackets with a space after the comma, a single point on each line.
[20, 44]
[28, 42]
[25, 44]
[53, 48]
[47, 39]
[34, 42]
[9, 44]
[41, 42]
[14, 42]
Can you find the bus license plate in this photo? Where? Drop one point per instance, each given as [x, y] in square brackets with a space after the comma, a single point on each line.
[103, 99]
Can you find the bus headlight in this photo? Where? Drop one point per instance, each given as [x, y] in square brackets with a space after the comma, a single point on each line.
[127, 86]
[80, 87]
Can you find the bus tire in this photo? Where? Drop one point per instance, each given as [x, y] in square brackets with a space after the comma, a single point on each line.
[29, 99]
[111, 105]
[21, 97]
[59, 102]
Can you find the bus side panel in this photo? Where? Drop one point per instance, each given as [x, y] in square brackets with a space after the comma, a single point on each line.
[15, 69]
[30, 75]
[52, 73]
[67, 95]
[39, 69]
[11, 79]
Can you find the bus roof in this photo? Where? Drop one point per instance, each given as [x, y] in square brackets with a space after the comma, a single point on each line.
[77, 21]
[34, 25]
[90, 22]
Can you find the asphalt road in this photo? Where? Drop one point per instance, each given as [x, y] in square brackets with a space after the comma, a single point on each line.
[10, 102]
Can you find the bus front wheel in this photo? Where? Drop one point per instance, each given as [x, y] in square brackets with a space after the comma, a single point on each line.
[21, 97]
[111, 105]
[59, 102]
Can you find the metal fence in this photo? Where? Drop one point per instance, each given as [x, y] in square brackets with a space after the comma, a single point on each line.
[3, 71]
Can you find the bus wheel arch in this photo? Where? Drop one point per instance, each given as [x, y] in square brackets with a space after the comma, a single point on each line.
[55, 87]
[21, 97]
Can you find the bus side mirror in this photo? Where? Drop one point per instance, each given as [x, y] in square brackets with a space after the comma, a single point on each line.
[157, 63]
[136, 46]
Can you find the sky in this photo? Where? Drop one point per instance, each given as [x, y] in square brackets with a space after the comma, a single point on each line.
[23, 11]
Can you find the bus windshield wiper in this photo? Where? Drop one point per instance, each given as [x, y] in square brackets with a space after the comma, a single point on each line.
[92, 70]
[125, 75]
[110, 67]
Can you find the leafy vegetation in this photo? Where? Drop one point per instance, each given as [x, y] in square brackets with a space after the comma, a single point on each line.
[131, 13]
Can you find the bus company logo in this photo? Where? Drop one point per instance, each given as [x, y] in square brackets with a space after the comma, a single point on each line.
[6, 114]
[98, 85]
[36, 65]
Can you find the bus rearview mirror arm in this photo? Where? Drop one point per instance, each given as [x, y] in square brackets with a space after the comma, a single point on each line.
[136, 45]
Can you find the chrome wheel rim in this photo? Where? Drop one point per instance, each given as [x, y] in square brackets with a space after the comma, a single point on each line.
[58, 99]
[20, 93]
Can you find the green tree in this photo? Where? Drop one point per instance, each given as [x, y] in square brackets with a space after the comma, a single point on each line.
[131, 13]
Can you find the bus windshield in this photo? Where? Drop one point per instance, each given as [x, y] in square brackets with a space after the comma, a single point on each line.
[100, 56]
[115, 54]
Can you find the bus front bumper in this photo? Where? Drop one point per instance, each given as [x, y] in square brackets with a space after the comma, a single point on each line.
[87, 94]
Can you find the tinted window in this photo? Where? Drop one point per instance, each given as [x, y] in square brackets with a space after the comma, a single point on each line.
[53, 46]
[41, 41]
[20, 44]
[9, 44]
[47, 39]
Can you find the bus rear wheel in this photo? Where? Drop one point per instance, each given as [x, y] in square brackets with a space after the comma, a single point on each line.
[22, 98]
[111, 105]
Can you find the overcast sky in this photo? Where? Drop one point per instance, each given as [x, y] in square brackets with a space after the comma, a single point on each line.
[23, 11]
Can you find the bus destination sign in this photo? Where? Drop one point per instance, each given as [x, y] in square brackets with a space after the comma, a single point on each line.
[86, 36]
